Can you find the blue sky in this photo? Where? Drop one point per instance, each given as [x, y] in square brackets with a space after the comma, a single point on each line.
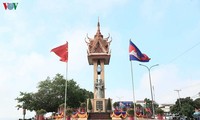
[166, 30]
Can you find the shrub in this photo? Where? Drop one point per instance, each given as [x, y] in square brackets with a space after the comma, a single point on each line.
[109, 104]
[89, 104]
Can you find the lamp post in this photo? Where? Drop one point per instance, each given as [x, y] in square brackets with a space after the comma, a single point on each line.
[149, 69]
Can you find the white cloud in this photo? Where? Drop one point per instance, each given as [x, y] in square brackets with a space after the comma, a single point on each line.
[23, 74]
[165, 80]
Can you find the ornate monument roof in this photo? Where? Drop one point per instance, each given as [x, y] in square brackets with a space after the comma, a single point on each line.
[98, 47]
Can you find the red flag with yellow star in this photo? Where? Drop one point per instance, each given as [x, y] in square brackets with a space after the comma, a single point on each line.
[62, 52]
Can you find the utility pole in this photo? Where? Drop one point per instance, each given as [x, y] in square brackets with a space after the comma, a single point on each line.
[178, 97]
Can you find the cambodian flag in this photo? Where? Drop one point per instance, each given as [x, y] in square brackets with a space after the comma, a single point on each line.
[135, 54]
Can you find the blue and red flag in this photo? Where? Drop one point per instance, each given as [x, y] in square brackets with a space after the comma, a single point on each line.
[135, 53]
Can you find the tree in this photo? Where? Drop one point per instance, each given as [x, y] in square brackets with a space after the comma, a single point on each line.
[139, 108]
[51, 94]
[148, 103]
[159, 111]
[148, 107]
[26, 100]
[185, 109]
[197, 103]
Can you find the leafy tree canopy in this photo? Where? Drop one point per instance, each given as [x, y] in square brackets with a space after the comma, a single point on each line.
[197, 103]
[148, 103]
[159, 111]
[51, 94]
[184, 108]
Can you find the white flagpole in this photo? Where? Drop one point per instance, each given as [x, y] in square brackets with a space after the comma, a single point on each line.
[65, 104]
[133, 92]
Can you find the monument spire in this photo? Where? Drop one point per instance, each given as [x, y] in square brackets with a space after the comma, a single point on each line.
[98, 25]
[98, 34]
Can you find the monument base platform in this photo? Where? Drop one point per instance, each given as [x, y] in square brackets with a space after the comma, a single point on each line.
[99, 105]
[99, 116]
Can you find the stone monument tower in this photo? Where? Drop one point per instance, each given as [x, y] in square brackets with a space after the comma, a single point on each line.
[98, 56]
